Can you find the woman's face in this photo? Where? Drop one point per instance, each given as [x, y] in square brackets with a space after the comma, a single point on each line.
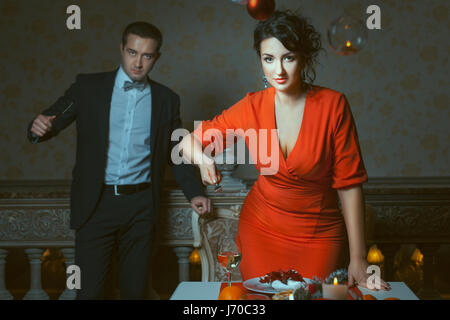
[281, 67]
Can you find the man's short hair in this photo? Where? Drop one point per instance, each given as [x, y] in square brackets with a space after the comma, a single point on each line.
[143, 30]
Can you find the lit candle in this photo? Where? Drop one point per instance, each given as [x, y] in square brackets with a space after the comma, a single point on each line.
[334, 291]
[347, 49]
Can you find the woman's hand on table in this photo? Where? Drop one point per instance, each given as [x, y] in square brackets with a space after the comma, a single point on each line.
[357, 275]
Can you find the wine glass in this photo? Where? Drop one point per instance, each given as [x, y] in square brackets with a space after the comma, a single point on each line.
[228, 255]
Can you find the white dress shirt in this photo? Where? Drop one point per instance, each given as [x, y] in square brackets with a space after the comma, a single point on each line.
[128, 160]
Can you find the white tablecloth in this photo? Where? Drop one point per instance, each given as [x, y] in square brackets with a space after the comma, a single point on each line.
[210, 291]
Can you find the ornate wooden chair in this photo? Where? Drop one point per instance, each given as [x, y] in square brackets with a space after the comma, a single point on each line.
[207, 231]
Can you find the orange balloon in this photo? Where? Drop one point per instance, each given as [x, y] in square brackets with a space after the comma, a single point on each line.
[261, 9]
[368, 297]
[391, 298]
[232, 293]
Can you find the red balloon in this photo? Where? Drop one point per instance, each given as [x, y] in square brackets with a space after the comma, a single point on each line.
[261, 9]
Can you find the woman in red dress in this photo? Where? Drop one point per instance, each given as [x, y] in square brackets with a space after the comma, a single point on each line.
[291, 218]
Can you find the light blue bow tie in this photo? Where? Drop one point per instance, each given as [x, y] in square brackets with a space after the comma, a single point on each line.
[128, 85]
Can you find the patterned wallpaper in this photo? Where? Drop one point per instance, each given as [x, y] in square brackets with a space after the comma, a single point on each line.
[397, 86]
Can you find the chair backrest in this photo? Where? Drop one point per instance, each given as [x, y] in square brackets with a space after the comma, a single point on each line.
[208, 229]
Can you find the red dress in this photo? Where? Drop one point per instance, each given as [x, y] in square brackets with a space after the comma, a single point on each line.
[290, 219]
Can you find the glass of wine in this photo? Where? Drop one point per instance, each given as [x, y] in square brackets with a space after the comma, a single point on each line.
[228, 255]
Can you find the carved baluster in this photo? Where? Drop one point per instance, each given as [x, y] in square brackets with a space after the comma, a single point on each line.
[429, 251]
[36, 292]
[183, 254]
[389, 250]
[69, 254]
[4, 293]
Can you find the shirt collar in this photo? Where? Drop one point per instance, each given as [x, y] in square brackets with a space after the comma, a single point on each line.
[121, 77]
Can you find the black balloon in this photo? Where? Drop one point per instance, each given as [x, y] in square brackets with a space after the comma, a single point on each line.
[261, 9]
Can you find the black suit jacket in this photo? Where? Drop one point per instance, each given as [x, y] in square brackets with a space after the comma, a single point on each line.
[91, 96]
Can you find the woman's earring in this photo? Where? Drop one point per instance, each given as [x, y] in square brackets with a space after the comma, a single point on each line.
[266, 83]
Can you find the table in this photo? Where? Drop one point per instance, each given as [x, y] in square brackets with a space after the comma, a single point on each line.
[197, 290]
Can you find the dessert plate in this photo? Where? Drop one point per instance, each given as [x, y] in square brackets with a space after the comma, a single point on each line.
[256, 286]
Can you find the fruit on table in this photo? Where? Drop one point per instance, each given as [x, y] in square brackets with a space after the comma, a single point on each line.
[232, 293]
[391, 298]
[368, 297]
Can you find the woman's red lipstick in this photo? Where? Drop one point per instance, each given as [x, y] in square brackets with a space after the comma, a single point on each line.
[280, 80]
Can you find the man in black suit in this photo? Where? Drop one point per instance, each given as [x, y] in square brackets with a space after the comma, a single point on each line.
[124, 124]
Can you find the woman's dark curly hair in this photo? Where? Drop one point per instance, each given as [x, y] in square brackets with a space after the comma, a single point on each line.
[296, 34]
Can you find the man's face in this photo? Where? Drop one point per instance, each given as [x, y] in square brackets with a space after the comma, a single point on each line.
[138, 56]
